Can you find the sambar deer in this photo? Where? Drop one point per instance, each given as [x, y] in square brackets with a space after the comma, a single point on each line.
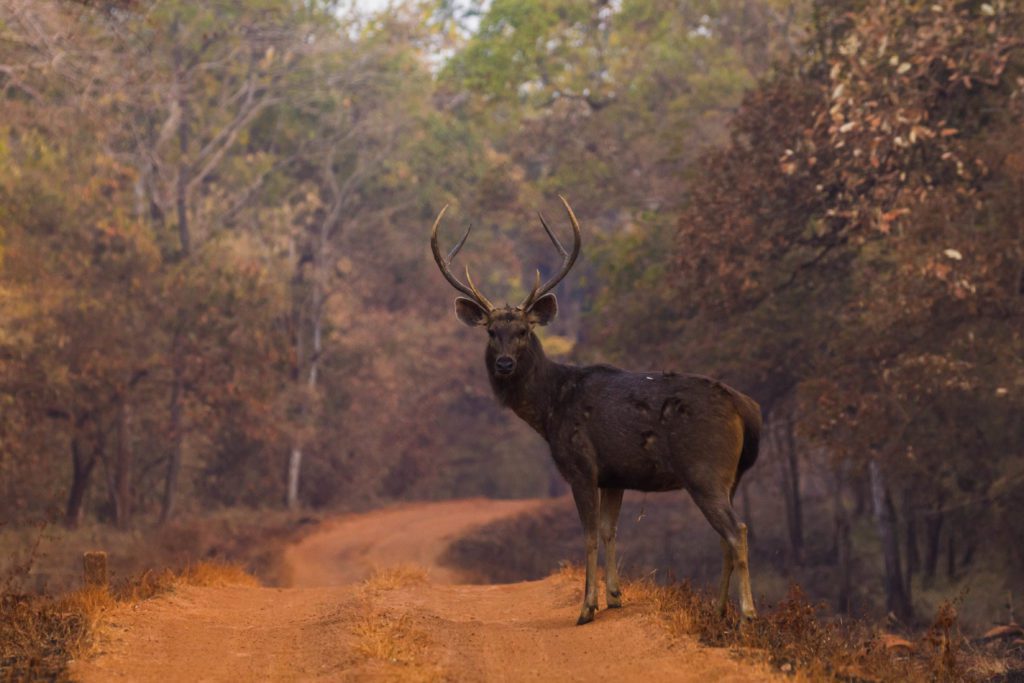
[611, 430]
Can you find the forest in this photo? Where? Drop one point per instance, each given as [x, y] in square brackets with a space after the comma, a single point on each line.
[216, 287]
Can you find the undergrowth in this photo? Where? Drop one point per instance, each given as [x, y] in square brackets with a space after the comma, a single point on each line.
[45, 622]
[40, 635]
[795, 637]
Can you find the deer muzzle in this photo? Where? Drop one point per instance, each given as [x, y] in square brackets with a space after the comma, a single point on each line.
[504, 365]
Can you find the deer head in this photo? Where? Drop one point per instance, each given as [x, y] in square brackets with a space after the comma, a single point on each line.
[510, 328]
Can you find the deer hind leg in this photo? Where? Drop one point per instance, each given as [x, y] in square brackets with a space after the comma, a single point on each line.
[611, 502]
[719, 513]
[586, 498]
[723, 590]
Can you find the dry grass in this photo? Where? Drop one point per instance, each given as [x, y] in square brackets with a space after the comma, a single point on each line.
[393, 644]
[45, 621]
[389, 636]
[392, 578]
[794, 638]
[49, 559]
[217, 574]
[39, 635]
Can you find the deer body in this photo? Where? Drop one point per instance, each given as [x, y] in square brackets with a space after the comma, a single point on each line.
[637, 431]
[611, 430]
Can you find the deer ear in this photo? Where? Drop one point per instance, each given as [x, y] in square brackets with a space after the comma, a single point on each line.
[470, 312]
[543, 310]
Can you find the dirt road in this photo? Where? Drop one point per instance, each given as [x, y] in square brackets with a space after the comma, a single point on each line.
[370, 602]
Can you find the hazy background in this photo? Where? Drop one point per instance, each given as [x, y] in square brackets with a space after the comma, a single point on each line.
[216, 289]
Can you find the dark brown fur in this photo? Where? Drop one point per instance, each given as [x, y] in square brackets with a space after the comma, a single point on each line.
[611, 430]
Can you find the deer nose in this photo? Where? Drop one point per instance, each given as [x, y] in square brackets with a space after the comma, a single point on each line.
[504, 364]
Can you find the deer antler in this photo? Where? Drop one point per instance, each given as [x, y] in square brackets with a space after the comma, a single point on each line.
[567, 259]
[443, 263]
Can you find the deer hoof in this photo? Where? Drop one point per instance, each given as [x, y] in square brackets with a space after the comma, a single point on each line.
[586, 617]
[614, 600]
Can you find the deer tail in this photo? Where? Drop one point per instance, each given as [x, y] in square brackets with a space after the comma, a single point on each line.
[750, 414]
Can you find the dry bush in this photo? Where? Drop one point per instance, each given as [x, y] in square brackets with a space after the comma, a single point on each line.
[49, 560]
[40, 634]
[794, 637]
[37, 637]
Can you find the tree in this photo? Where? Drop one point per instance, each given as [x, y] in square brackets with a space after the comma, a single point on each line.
[830, 255]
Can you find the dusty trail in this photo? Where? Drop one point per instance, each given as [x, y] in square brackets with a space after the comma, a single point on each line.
[348, 549]
[401, 624]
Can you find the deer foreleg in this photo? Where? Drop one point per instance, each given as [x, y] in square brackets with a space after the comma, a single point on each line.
[611, 502]
[587, 505]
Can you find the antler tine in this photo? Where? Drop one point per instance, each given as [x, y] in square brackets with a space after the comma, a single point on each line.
[554, 240]
[458, 246]
[476, 293]
[444, 263]
[567, 259]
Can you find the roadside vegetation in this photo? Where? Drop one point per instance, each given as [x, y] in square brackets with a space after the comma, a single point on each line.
[799, 638]
[47, 618]
[671, 563]
[41, 634]
[217, 298]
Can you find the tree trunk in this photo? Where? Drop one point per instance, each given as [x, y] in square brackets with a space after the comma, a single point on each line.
[81, 472]
[184, 171]
[294, 465]
[175, 429]
[123, 463]
[910, 544]
[971, 544]
[842, 545]
[860, 493]
[185, 247]
[785, 447]
[951, 556]
[843, 557]
[82, 466]
[298, 322]
[896, 597]
[317, 299]
[933, 536]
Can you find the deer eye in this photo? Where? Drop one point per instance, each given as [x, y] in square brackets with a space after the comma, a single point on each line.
[521, 333]
[490, 333]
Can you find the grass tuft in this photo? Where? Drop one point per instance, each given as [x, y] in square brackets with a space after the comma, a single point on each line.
[217, 574]
[388, 637]
[391, 641]
[393, 578]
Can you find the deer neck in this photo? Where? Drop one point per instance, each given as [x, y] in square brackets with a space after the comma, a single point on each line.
[531, 392]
